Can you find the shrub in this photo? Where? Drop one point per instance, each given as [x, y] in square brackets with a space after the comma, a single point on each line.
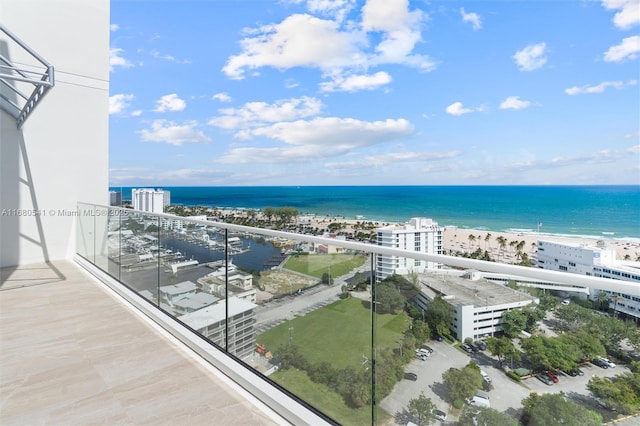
[458, 403]
[514, 376]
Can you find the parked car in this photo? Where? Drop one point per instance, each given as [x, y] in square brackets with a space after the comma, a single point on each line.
[574, 372]
[423, 352]
[485, 376]
[609, 363]
[426, 348]
[466, 348]
[421, 356]
[438, 338]
[544, 379]
[482, 345]
[600, 363]
[553, 377]
[411, 376]
[474, 347]
[440, 415]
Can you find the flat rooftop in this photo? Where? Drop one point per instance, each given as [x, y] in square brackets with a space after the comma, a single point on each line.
[458, 290]
[72, 353]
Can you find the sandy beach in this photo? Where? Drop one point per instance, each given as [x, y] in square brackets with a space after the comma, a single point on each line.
[457, 239]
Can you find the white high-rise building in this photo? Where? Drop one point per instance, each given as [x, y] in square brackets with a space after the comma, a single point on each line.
[419, 234]
[148, 200]
[597, 261]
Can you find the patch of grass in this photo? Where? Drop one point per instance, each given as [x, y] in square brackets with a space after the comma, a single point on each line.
[317, 264]
[339, 333]
[323, 398]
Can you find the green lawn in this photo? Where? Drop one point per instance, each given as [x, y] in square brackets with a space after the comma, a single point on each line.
[317, 264]
[339, 333]
[325, 399]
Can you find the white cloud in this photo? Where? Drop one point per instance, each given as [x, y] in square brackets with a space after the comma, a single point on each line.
[355, 83]
[628, 49]
[303, 40]
[173, 134]
[318, 138]
[457, 108]
[117, 60]
[629, 14]
[167, 57]
[514, 102]
[114, 27]
[473, 18]
[336, 8]
[531, 57]
[298, 41]
[222, 97]
[258, 113]
[170, 103]
[119, 103]
[599, 88]
[136, 113]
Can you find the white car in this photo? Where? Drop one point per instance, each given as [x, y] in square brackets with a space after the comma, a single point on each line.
[485, 376]
[607, 361]
[440, 415]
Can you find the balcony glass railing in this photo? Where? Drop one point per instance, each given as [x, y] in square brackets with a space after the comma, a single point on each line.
[307, 314]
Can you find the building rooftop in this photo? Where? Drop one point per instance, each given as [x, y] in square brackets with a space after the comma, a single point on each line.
[459, 290]
[216, 313]
[72, 353]
[180, 288]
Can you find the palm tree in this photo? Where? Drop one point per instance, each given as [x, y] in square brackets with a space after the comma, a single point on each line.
[602, 299]
[502, 242]
[471, 238]
[486, 240]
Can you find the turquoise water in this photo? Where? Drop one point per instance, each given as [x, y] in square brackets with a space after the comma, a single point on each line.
[582, 211]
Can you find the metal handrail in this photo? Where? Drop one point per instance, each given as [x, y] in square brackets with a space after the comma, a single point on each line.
[11, 73]
[549, 276]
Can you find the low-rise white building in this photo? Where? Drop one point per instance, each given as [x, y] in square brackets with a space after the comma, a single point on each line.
[420, 234]
[212, 323]
[240, 283]
[597, 261]
[172, 293]
[478, 304]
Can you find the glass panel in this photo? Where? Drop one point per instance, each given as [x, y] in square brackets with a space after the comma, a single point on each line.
[114, 244]
[139, 254]
[85, 244]
[101, 239]
[308, 326]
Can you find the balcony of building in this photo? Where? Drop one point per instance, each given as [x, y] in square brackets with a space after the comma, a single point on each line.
[93, 342]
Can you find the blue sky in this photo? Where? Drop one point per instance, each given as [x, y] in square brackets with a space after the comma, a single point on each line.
[377, 92]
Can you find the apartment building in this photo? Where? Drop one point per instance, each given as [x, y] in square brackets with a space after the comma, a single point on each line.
[150, 200]
[478, 303]
[420, 234]
[597, 261]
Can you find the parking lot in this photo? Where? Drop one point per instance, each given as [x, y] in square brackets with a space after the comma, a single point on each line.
[506, 395]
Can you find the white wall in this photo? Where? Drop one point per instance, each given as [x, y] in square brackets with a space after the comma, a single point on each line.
[60, 155]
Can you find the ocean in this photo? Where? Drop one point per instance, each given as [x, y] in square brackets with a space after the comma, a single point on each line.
[607, 212]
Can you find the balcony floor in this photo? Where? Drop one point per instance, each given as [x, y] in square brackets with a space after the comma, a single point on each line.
[72, 353]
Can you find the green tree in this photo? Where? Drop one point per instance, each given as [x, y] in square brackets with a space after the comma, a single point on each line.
[421, 410]
[420, 330]
[269, 212]
[553, 409]
[439, 315]
[552, 352]
[622, 393]
[388, 298]
[513, 322]
[481, 416]
[503, 348]
[326, 279]
[462, 384]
